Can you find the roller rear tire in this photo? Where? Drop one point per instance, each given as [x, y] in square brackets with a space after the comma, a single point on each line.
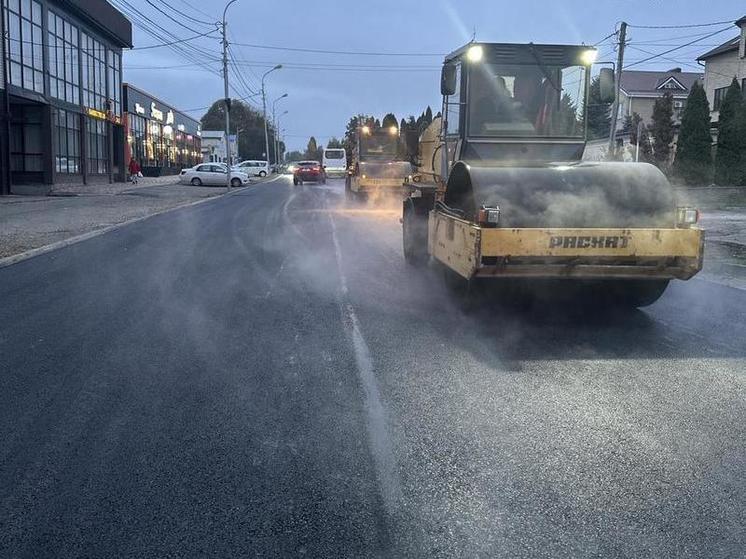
[414, 236]
[635, 293]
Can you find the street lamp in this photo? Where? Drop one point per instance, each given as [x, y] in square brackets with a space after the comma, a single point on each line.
[264, 110]
[227, 98]
[274, 124]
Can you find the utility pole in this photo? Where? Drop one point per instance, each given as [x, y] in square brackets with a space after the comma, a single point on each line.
[264, 112]
[276, 144]
[227, 101]
[277, 137]
[617, 86]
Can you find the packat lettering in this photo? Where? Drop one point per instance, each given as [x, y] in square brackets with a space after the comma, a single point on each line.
[578, 241]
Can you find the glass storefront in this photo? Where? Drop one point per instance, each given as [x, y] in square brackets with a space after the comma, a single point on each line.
[67, 142]
[159, 137]
[96, 137]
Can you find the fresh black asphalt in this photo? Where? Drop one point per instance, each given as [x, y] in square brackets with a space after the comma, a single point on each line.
[263, 375]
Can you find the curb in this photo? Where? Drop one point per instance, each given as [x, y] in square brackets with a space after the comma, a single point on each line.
[14, 259]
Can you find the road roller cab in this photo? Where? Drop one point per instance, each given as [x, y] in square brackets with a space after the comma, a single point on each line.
[378, 165]
[501, 190]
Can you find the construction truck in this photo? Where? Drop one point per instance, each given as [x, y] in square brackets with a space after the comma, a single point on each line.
[378, 166]
[500, 195]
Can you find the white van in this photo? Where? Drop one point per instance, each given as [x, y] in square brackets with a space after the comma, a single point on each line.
[253, 168]
[335, 162]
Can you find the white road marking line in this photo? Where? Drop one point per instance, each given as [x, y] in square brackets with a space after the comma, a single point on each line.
[380, 445]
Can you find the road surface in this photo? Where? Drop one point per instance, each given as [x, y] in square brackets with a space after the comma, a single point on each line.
[263, 375]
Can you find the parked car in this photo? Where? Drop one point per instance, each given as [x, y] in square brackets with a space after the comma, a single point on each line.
[212, 174]
[254, 168]
[309, 171]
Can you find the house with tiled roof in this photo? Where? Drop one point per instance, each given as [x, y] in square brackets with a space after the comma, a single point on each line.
[722, 64]
[639, 90]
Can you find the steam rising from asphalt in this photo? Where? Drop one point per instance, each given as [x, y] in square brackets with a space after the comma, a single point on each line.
[583, 195]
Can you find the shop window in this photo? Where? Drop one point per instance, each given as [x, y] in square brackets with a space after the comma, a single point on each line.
[93, 59]
[114, 63]
[26, 139]
[64, 79]
[96, 139]
[67, 142]
[23, 43]
[155, 147]
[136, 137]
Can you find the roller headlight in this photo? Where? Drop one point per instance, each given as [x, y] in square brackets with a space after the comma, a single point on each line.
[686, 217]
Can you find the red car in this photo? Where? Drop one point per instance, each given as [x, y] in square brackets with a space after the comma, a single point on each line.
[309, 171]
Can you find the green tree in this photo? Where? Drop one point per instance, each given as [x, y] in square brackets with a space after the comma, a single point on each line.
[729, 155]
[333, 143]
[243, 118]
[662, 130]
[565, 120]
[693, 162]
[632, 125]
[741, 125]
[390, 120]
[597, 113]
[428, 116]
[312, 149]
[294, 155]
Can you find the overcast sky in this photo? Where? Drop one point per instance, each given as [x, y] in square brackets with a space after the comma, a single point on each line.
[321, 101]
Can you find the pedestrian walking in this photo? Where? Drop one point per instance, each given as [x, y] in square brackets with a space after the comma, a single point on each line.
[135, 171]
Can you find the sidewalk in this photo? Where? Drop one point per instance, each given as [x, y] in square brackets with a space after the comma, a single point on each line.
[30, 222]
[113, 188]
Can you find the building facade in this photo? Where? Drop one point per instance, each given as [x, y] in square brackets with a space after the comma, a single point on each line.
[722, 64]
[4, 124]
[213, 146]
[63, 92]
[639, 91]
[159, 137]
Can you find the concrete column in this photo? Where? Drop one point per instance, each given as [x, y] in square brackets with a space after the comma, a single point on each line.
[83, 148]
[47, 127]
[110, 150]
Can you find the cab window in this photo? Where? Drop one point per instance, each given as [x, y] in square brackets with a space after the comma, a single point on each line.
[453, 110]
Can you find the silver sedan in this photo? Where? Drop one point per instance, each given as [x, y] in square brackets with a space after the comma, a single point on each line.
[212, 174]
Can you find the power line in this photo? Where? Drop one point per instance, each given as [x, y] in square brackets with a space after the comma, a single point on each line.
[676, 48]
[241, 78]
[176, 21]
[331, 65]
[633, 47]
[187, 39]
[185, 15]
[678, 37]
[196, 9]
[257, 79]
[685, 63]
[155, 30]
[197, 109]
[609, 36]
[297, 66]
[353, 53]
[691, 26]
[197, 65]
